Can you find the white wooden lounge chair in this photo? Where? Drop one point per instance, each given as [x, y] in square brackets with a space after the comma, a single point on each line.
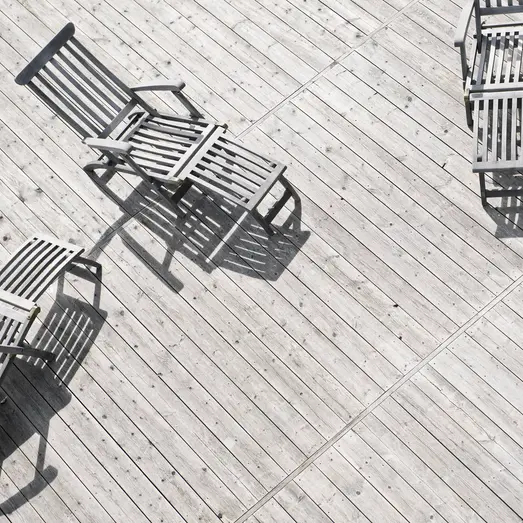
[497, 51]
[169, 150]
[493, 88]
[23, 279]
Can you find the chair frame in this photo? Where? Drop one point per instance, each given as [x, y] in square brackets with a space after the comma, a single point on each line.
[212, 162]
[487, 35]
[493, 88]
[28, 273]
[16, 318]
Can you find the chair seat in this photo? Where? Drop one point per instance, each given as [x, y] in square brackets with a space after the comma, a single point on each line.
[497, 131]
[497, 65]
[163, 144]
[174, 149]
[238, 174]
[35, 265]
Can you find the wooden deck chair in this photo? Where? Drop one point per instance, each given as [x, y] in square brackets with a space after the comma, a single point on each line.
[495, 60]
[16, 317]
[169, 150]
[30, 270]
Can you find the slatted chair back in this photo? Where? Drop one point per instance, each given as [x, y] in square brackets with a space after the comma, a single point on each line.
[496, 7]
[497, 131]
[35, 265]
[16, 317]
[78, 87]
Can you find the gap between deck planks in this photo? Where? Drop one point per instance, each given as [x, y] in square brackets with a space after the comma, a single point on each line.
[420, 369]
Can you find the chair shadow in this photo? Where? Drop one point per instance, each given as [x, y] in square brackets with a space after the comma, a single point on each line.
[35, 391]
[507, 211]
[208, 235]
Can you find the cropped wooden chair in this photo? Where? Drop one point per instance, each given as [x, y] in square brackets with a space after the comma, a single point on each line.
[495, 60]
[31, 269]
[493, 89]
[497, 139]
[169, 150]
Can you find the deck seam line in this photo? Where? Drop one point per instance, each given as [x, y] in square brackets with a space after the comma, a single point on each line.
[304, 86]
[324, 71]
[373, 406]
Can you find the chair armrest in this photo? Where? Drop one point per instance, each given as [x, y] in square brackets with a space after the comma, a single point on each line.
[176, 88]
[110, 146]
[461, 36]
[463, 24]
[163, 85]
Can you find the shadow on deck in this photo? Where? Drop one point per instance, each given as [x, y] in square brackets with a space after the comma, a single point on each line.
[36, 392]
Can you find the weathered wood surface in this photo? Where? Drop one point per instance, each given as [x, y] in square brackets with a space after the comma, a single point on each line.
[212, 365]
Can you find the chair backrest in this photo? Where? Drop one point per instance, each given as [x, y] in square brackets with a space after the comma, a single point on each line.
[497, 7]
[16, 317]
[78, 87]
[35, 265]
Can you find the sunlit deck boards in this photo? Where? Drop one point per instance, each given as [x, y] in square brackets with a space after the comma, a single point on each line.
[188, 388]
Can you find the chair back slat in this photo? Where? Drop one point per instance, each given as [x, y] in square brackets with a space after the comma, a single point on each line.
[35, 265]
[70, 105]
[81, 102]
[494, 7]
[98, 74]
[58, 110]
[110, 112]
[78, 87]
[82, 51]
[91, 84]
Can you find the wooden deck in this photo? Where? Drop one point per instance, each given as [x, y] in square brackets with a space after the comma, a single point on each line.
[363, 365]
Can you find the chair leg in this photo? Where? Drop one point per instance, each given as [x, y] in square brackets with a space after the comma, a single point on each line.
[91, 167]
[278, 206]
[288, 185]
[262, 220]
[81, 260]
[181, 191]
[468, 110]
[482, 189]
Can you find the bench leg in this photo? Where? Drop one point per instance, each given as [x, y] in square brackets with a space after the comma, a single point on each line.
[27, 351]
